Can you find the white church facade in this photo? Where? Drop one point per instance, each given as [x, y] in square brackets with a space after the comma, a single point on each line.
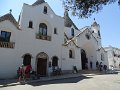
[43, 39]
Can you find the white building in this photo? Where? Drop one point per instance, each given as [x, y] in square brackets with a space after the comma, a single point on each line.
[113, 56]
[43, 39]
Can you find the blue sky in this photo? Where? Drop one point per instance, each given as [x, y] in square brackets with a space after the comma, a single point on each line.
[108, 18]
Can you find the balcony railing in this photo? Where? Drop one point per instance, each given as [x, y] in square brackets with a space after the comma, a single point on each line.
[43, 37]
[7, 44]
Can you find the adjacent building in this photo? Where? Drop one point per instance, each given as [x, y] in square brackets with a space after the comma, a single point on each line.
[113, 57]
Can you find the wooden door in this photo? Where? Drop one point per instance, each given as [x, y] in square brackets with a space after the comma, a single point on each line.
[41, 66]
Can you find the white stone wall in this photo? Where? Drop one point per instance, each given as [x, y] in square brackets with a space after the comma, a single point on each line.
[113, 60]
[68, 31]
[9, 58]
[67, 62]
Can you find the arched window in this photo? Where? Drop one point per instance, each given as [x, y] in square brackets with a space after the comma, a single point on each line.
[72, 32]
[27, 60]
[45, 10]
[102, 56]
[43, 29]
[30, 24]
[55, 61]
[87, 36]
[70, 54]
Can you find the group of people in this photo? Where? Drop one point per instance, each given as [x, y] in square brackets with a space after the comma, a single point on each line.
[24, 72]
[101, 67]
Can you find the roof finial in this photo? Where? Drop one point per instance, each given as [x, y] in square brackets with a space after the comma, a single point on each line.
[66, 11]
[94, 19]
[10, 11]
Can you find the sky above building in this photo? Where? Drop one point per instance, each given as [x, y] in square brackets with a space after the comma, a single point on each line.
[108, 18]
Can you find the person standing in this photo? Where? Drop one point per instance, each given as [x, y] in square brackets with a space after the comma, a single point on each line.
[105, 68]
[27, 71]
[90, 64]
[100, 66]
[97, 65]
[21, 74]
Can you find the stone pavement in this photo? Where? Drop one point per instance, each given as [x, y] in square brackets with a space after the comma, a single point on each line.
[13, 82]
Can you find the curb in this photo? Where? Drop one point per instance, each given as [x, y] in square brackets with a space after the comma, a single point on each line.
[12, 84]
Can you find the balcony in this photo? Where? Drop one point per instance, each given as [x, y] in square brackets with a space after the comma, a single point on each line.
[38, 36]
[7, 44]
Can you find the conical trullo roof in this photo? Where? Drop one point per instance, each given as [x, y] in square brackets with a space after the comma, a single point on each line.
[38, 2]
[67, 21]
[94, 23]
[9, 17]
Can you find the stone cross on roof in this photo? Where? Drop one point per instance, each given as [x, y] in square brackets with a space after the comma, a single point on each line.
[10, 11]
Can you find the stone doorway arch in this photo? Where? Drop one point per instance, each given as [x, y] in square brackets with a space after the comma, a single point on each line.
[84, 59]
[42, 64]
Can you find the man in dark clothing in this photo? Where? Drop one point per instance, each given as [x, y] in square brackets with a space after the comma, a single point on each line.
[97, 65]
[90, 64]
[105, 68]
[100, 66]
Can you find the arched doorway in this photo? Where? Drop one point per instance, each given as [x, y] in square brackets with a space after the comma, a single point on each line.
[84, 60]
[27, 59]
[42, 64]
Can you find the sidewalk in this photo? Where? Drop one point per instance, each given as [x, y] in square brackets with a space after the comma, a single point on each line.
[13, 82]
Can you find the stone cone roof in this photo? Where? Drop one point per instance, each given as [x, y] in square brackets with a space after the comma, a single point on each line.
[9, 17]
[94, 23]
[38, 2]
[67, 21]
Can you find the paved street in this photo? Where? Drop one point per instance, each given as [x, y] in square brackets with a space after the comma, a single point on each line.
[86, 82]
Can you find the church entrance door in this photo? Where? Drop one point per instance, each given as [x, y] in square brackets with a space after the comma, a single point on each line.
[84, 60]
[42, 64]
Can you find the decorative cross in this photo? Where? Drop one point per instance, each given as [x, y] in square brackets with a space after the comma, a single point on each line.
[10, 11]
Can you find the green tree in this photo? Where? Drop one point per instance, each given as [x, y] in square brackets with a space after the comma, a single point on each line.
[85, 8]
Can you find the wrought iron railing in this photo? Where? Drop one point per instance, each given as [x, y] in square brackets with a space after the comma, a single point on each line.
[42, 37]
[7, 44]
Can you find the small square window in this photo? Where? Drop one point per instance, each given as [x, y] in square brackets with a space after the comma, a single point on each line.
[55, 30]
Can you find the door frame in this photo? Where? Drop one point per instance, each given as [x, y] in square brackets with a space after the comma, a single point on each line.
[39, 55]
[85, 61]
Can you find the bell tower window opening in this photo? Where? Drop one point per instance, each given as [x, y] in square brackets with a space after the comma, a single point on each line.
[45, 10]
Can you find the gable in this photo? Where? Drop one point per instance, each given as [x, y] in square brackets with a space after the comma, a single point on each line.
[41, 4]
[101, 49]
